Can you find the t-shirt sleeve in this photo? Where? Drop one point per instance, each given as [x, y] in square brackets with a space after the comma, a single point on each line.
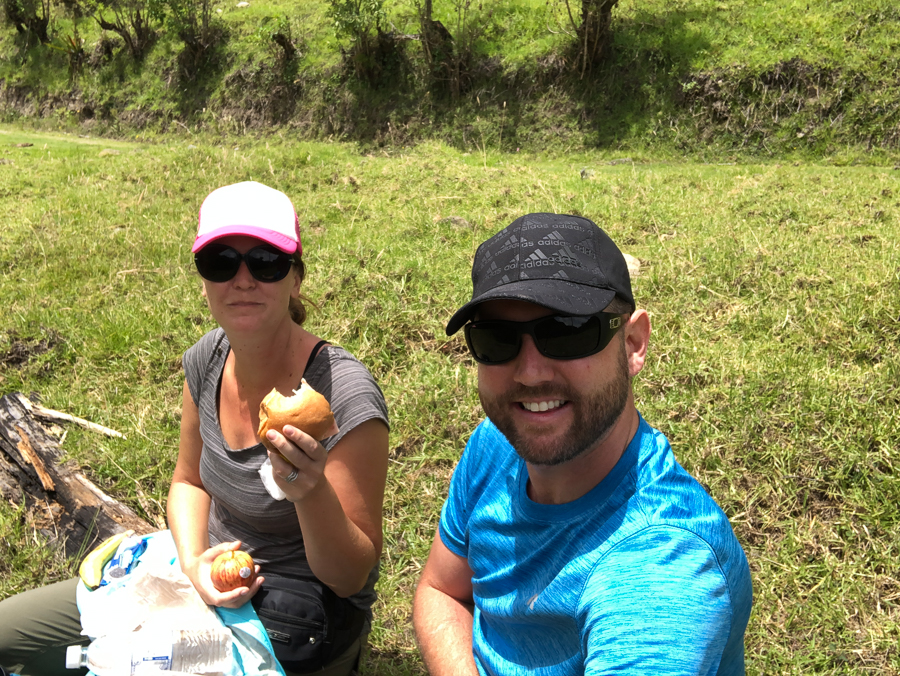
[658, 603]
[196, 359]
[454, 524]
[354, 397]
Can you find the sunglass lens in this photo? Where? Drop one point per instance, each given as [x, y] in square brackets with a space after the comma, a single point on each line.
[268, 265]
[493, 343]
[217, 263]
[567, 337]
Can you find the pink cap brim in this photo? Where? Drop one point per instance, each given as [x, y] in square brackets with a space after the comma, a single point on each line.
[276, 239]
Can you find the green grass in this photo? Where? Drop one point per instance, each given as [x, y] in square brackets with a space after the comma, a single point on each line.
[773, 289]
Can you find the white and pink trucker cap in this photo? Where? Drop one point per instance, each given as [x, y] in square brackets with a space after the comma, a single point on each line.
[249, 208]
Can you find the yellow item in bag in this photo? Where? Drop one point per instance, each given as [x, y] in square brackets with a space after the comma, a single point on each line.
[91, 569]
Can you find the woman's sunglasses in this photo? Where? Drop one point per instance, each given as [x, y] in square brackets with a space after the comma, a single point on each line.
[219, 263]
[557, 336]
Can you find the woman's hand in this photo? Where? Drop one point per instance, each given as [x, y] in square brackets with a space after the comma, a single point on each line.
[299, 453]
[199, 571]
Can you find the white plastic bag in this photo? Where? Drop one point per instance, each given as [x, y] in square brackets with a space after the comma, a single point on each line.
[154, 594]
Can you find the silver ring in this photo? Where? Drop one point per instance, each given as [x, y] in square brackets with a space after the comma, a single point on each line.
[293, 475]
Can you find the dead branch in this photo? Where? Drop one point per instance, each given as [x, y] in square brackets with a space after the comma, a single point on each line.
[58, 416]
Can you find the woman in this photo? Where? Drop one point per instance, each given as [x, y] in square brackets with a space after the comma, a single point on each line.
[317, 550]
[328, 530]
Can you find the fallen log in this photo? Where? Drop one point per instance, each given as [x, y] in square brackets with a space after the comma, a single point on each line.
[65, 506]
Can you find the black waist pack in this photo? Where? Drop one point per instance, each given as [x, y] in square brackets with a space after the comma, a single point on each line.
[308, 624]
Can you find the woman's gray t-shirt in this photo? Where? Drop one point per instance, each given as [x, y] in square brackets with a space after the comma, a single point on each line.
[241, 508]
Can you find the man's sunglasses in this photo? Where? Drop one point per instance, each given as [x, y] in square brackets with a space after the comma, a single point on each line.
[219, 263]
[557, 336]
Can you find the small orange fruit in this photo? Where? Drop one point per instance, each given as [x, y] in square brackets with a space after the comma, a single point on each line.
[231, 570]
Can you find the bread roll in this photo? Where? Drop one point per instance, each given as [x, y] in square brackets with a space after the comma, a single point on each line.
[307, 410]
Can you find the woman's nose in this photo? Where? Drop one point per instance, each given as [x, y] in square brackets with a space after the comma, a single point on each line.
[243, 278]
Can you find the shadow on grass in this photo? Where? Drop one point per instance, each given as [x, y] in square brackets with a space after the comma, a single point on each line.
[371, 99]
[201, 70]
[510, 107]
[651, 55]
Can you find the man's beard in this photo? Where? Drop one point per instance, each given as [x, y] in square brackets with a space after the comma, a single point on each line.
[595, 413]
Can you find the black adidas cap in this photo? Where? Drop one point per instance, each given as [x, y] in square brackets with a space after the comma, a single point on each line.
[565, 263]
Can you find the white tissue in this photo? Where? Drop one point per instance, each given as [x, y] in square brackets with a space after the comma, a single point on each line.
[268, 479]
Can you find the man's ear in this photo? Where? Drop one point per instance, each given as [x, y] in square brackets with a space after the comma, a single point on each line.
[637, 338]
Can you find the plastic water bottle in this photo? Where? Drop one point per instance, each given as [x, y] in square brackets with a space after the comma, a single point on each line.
[193, 651]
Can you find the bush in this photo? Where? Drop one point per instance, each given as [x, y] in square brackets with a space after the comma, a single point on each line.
[356, 19]
[362, 21]
[73, 47]
[132, 20]
[192, 21]
[453, 58]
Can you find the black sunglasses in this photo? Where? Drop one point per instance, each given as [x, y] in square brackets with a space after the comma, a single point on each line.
[557, 336]
[219, 263]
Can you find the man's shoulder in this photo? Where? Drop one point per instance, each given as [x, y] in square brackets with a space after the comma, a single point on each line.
[487, 455]
[650, 440]
[672, 510]
[487, 440]
[668, 560]
[667, 578]
[666, 492]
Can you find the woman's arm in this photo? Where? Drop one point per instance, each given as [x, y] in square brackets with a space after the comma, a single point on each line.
[188, 514]
[338, 497]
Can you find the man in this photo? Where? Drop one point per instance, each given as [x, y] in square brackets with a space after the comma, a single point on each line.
[571, 541]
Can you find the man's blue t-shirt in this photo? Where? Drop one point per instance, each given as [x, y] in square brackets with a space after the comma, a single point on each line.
[642, 575]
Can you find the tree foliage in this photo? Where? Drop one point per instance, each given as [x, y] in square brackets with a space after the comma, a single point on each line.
[135, 21]
[357, 20]
[29, 17]
[362, 22]
[193, 22]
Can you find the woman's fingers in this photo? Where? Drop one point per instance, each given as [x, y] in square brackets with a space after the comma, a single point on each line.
[234, 598]
[299, 458]
[292, 439]
[238, 597]
[281, 467]
[312, 448]
[200, 574]
[221, 548]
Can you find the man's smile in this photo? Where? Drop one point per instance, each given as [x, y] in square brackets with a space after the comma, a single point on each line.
[538, 406]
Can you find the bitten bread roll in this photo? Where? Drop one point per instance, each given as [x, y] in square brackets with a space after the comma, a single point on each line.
[307, 410]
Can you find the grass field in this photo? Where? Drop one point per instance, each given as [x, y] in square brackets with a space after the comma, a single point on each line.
[774, 292]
